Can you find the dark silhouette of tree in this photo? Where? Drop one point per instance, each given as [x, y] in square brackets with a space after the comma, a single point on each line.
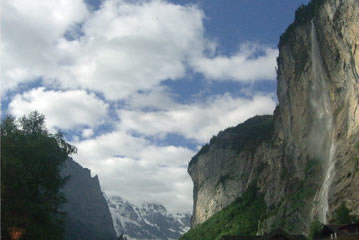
[31, 159]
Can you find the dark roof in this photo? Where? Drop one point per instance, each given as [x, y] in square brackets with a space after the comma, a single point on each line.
[334, 227]
[349, 225]
[241, 237]
[269, 236]
[299, 237]
[279, 232]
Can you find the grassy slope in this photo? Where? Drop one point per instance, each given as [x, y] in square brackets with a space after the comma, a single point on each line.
[239, 218]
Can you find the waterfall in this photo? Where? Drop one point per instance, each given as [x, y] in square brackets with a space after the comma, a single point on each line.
[323, 125]
[324, 194]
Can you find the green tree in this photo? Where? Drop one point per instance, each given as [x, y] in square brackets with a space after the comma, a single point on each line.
[315, 228]
[31, 159]
[342, 215]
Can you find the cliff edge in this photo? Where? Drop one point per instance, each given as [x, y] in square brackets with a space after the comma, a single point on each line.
[87, 214]
[306, 163]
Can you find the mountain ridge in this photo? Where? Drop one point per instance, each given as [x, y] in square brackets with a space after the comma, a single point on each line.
[147, 221]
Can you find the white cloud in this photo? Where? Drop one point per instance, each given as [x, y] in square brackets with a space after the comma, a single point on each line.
[125, 51]
[135, 169]
[251, 63]
[199, 121]
[129, 47]
[29, 32]
[63, 109]
[125, 47]
[158, 98]
[88, 132]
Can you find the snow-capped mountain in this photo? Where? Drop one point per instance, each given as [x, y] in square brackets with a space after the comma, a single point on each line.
[148, 221]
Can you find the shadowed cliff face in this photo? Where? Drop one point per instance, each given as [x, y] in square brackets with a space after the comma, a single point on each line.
[308, 167]
[87, 213]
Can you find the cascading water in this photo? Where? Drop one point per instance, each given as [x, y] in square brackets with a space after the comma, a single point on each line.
[324, 194]
[323, 127]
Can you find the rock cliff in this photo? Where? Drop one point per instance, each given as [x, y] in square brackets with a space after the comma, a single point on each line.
[87, 214]
[306, 164]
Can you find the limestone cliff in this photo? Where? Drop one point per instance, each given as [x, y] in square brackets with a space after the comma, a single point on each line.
[308, 165]
[87, 214]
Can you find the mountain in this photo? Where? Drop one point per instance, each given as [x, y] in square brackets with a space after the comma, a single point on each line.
[87, 214]
[148, 221]
[303, 160]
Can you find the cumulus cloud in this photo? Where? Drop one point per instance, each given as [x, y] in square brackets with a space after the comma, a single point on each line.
[158, 98]
[124, 51]
[29, 32]
[252, 62]
[198, 121]
[128, 47]
[138, 170]
[133, 167]
[88, 132]
[63, 109]
[123, 47]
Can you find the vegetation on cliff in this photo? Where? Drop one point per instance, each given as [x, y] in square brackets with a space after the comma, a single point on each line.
[31, 158]
[239, 218]
[315, 228]
[244, 137]
[343, 216]
[303, 15]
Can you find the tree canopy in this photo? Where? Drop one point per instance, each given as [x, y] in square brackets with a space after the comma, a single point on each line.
[342, 215]
[31, 160]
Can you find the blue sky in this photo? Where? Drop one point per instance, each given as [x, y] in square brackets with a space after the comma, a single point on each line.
[139, 86]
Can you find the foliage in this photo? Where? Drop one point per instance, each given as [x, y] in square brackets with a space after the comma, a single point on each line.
[342, 215]
[244, 137]
[303, 193]
[31, 158]
[315, 228]
[248, 135]
[303, 15]
[239, 218]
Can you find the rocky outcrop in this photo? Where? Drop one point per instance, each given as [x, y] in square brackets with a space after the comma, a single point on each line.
[87, 214]
[308, 166]
[318, 94]
[224, 168]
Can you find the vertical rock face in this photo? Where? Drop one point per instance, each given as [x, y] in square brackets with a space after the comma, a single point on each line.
[224, 169]
[318, 94]
[87, 214]
[308, 166]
